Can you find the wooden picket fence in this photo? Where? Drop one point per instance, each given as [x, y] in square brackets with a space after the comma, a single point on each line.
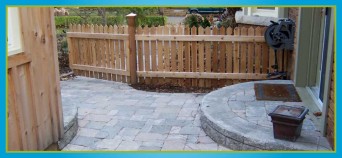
[197, 57]
[99, 51]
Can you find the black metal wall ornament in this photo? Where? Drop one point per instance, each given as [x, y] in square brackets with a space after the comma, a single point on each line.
[280, 36]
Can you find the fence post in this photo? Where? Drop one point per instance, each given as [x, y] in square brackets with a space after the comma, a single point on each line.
[132, 47]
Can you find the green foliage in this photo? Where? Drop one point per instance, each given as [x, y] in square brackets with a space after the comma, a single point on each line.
[64, 21]
[196, 20]
[228, 22]
[205, 23]
[151, 21]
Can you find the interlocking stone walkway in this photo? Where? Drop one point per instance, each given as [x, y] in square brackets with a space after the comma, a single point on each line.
[114, 116]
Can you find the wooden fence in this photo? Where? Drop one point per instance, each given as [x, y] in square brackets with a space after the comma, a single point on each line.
[99, 52]
[198, 57]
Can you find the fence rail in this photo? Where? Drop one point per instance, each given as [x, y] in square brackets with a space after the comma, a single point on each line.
[199, 57]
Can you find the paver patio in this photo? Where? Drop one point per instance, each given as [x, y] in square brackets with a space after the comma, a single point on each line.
[114, 116]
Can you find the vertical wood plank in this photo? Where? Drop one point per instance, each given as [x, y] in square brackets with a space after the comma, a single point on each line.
[140, 55]
[214, 62]
[111, 54]
[97, 52]
[114, 53]
[100, 57]
[154, 54]
[207, 57]
[147, 54]
[201, 56]
[194, 56]
[83, 50]
[271, 60]
[167, 53]
[79, 50]
[70, 47]
[122, 54]
[243, 51]
[15, 141]
[180, 47]
[236, 55]
[127, 57]
[265, 53]
[250, 58]
[91, 51]
[160, 30]
[105, 52]
[258, 32]
[173, 56]
[187, 55]
[222, 56]
[20, 113]
[229, 52]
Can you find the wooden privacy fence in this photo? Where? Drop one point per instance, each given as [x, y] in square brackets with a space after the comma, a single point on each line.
[199, 57]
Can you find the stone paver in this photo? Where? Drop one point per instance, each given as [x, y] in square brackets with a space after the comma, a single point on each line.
[114, 116]
[234, 118]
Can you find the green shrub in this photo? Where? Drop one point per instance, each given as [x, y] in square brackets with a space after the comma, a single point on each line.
[196, 20]
[151, 21]
[228, 22]
[64, 21]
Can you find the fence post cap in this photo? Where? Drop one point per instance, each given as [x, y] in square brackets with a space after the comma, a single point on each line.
[131, 14]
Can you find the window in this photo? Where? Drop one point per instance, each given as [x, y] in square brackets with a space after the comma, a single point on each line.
[13, 31]
[260, 15]
[275, 12]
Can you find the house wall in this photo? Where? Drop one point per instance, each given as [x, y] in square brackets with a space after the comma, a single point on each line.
[34, 112]
[330, 132]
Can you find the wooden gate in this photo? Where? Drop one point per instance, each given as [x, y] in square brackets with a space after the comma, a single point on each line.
[99, 52]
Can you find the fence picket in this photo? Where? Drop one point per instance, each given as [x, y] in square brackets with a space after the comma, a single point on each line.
[167, 52]
[243, 54]
[153, 54]
[126, 52]
[265, 54]
[140, 55]
[173, 56]
[180, 49]
[122, 54]
[222, 56]
[201, 56]
[160, 54]
[229, 62]
[79, 45]
[147, 54]
[105, 52]
[112, 53]
[214, 62]
[91, 51]
[257, 51]
[194, 55]
[207, 56]
[250, 60]
[187, 55]
[117, 54]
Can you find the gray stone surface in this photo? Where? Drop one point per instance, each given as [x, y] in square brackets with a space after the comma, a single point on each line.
[113, 116]
[232, 116]
[70, 121]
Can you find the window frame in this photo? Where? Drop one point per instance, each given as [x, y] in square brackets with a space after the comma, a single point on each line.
[278, 12]
[14, 39]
